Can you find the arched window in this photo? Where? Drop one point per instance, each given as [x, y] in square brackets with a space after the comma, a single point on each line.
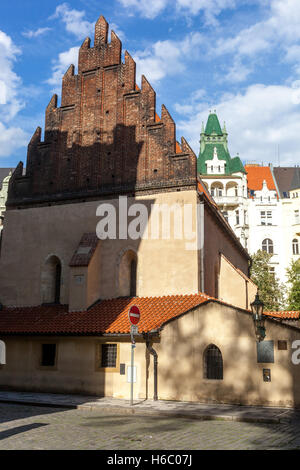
[213, 363]
[51, 280]
[295, 247]
[127, 276]
[267, 245]
[2, 353]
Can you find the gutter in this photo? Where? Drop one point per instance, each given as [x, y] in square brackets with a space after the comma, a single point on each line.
[201, 237]
[155, 359]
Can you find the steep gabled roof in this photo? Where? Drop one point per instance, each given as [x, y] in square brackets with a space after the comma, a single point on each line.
[256, 175]
[213, 125]
[287, 178]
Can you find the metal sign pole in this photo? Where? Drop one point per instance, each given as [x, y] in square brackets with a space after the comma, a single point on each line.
[132, 365]
[134, 317]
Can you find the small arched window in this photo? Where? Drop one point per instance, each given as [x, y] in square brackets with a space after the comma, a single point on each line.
[2, 353]
[267, 245]
[213, 363]
[128, 275]
[295, 247]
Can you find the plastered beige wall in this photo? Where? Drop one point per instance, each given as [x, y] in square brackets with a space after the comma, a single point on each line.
[180, 363]
[32, 234]
[233, 287]
[181, 360]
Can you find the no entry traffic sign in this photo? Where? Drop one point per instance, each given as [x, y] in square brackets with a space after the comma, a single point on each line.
[134, 315]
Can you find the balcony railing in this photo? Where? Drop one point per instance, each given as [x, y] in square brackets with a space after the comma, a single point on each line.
[233, 200]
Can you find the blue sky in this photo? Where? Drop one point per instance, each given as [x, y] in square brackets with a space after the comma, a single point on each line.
[238, 57]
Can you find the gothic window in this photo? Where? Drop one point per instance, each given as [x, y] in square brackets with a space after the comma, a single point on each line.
[267, 245]
[295, 247]
[51, 280]
[2, 353]
[128, 274]
[213, 363]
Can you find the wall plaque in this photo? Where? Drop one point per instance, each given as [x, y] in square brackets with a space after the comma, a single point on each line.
[265, 351]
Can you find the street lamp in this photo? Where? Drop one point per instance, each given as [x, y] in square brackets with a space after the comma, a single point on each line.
[257, 307]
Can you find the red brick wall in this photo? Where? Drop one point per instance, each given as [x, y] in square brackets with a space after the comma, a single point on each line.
[104, 137]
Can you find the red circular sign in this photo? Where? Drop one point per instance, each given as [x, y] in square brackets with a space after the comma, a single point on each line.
[134, 315]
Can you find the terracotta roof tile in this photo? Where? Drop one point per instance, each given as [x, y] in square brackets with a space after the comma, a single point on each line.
[157, 118]
[256, 175]
[107, 316]
[284, 315]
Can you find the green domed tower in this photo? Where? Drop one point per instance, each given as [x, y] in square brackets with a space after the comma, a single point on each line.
[214, 156]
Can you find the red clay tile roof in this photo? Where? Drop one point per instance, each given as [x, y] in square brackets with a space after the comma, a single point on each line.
[157, 118]
[284, 315]
[178, 148]
[107, 316]
[256, 176]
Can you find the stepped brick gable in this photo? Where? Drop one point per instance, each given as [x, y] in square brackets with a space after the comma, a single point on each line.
[105, 138]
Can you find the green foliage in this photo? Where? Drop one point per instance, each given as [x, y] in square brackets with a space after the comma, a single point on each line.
[293, 273]
[271, 292]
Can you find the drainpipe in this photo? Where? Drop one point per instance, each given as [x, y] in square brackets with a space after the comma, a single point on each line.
[201, 237]
[154, 354]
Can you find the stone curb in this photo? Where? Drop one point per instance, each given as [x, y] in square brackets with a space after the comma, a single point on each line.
[146, 411]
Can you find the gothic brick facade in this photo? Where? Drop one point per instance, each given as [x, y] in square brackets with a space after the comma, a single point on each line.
[105, 138]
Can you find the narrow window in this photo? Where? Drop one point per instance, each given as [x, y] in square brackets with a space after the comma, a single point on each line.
[237, 218]
[48, 355]
[57, 282]
[213, 363]
[2, 353]
[133, 278]
[295, 247]
[297, 218]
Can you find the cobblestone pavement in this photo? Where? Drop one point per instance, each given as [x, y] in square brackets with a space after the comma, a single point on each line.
[43, 428]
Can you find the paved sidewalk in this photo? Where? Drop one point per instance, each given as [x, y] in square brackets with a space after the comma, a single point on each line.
[159, 408]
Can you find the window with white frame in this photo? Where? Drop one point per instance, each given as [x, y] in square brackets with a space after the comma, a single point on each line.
[266, 217]
[297, 217]
[268, 246]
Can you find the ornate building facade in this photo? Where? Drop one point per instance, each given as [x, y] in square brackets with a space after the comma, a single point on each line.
[224, 177]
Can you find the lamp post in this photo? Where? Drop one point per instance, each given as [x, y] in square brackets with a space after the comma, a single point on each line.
[257, 307]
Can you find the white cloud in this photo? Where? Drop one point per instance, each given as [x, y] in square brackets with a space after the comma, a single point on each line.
[167, 57]
[60, 66]
[144, 7]
[35, 34]
[74, 20]
[11, 136]
[210, 8]
[257, 122]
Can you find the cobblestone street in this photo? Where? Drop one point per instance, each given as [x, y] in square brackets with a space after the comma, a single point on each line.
[44, 428]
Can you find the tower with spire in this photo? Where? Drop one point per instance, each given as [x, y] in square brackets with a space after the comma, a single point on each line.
[223, 176]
